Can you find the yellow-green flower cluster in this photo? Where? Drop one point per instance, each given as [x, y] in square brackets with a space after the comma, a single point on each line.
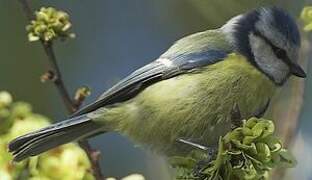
[249, 153]
[49, 24]
[306, 17]
[62, 163]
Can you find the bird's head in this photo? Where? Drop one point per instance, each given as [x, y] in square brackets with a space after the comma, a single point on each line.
[270, 38]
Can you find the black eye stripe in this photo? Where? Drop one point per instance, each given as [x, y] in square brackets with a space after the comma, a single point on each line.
[280, 53]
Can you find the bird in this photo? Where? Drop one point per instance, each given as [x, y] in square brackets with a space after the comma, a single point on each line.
[188, 92]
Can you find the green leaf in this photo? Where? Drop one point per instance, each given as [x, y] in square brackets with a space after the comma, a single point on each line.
[264, 153]
[248, 153]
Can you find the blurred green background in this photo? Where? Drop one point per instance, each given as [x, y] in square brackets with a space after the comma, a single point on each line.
[114, 37]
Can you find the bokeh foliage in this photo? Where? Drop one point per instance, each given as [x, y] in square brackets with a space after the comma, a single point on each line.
[306, 17]
[62, 163]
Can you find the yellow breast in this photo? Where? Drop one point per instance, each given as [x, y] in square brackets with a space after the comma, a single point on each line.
[195, 105]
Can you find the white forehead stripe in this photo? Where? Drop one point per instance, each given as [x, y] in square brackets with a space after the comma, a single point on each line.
[165, 61]
[266, 28]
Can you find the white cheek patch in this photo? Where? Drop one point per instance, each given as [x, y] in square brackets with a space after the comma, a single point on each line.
[265, 27]
[267, 60]
[165, 61]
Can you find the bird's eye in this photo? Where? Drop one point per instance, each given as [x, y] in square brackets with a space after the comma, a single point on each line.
[280, 53]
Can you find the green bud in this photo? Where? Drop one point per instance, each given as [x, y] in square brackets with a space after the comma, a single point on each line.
[249, 139]
[306, 17]
[248, 152]
[40, 28]
[48, 35]
[42, 16]
[32, 37]
[21, 110]
[274, 144]
[82, 91]
[264, 153]
[65, 162]
[4, 114]
[5, 99]
[251, 122]
[49, 24]
[5, 120]
[247, 131]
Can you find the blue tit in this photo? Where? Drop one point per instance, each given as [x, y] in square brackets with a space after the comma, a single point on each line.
[189, 91]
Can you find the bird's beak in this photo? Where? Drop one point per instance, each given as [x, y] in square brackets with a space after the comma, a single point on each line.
[296, 70]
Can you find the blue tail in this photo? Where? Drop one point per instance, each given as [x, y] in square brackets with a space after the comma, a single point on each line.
[52, 136]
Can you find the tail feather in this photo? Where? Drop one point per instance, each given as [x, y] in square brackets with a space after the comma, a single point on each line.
[52, 136]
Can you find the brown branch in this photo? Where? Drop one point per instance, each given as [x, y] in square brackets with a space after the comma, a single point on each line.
[289, 119]
[54, 74]
[288, 130]
[57, 78]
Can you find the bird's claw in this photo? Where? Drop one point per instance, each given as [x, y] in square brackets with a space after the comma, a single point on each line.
[200, 165]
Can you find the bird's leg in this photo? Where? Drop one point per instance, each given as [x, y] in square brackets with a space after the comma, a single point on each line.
[193, 144]
[236, 121]
[200, 165]
[211, 151]
[261, 111]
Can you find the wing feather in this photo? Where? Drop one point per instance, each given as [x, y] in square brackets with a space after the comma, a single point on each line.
[179, 62]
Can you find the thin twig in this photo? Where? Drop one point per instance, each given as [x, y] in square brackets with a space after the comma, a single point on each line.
[57, 79]
[70, 104]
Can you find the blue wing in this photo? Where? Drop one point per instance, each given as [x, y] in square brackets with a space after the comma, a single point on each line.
[169, 65]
